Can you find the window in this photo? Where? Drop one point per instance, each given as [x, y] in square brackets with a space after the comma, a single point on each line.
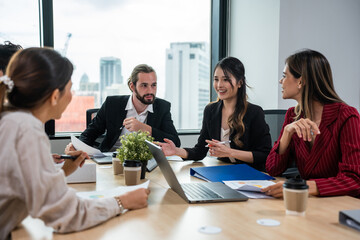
[106, 40]
[24, 29]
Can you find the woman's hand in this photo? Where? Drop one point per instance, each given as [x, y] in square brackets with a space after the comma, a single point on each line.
[304, 128]
[70, 165]
[217, 149]
[57, 159]
[135, 199]
[168, 147]
[275, 190]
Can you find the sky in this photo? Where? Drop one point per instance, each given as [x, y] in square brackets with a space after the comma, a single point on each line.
[136, 31]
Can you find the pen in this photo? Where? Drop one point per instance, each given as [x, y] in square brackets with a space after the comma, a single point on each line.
[68, 157]
[220, 143]
[121, 128]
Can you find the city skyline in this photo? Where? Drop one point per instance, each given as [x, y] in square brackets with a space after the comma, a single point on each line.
[188, 67]
[136, 32]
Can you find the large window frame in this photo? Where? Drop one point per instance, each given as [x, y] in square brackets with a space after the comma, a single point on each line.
[218, 46]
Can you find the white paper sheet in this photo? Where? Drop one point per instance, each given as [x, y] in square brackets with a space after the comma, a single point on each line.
[254, 195]
[79, 145]
[112, 192]
[174, 158]
[251, 189]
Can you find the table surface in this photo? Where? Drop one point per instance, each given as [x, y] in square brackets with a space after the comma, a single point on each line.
[168, 216]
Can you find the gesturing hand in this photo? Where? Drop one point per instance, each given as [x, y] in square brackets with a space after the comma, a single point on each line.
[168, 147]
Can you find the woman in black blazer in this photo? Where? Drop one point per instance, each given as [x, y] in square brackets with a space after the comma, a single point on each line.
[233, 129]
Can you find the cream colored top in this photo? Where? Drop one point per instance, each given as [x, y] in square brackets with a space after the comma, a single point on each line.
[224, 137]
[30, 184]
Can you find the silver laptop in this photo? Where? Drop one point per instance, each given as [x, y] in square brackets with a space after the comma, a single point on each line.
[194, 192]
[104, 158]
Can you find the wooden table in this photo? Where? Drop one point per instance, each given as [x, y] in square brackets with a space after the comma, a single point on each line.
[169, 217]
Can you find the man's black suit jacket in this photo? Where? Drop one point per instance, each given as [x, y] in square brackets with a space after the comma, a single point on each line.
[110, 118]
[255, 139]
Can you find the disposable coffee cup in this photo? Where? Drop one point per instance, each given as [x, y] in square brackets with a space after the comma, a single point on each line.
[132, 171]
[296, 193]
[117, 166]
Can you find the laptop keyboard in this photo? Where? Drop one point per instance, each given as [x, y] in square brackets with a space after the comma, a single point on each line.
[199, 191]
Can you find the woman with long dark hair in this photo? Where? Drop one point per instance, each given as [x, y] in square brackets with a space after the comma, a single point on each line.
[322, 133]
[37, 88]
[231, 120]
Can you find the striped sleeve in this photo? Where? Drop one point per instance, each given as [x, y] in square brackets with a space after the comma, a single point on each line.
[347, 181]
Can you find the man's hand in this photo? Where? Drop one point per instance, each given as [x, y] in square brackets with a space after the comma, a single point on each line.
[69, 148]
[134, 125]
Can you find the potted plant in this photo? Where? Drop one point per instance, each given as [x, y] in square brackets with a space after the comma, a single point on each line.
[133, 147]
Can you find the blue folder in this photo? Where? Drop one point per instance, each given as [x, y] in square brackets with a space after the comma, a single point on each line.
[228, 173]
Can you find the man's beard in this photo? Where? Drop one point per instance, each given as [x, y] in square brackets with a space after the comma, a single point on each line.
[142, 98]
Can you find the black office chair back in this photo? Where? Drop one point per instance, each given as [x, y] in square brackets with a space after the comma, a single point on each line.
[90, 114]
[275, 119]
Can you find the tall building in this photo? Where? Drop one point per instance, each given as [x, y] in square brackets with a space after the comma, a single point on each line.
[87, 88]
[187, 82]
[110, 73]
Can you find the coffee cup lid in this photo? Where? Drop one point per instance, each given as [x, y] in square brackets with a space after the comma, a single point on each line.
[114, 154]
[132, 163]
[295, 183]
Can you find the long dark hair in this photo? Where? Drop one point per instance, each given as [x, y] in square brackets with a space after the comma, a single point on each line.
[236, 68]
[317, 79]
[36, 73]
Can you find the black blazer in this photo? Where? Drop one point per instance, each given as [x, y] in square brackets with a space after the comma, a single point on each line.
[110, 118]
[256, 137]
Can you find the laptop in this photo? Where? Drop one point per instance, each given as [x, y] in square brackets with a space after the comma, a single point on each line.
[107, 159]
[194, 192]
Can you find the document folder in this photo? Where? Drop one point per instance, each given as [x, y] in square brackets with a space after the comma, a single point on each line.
[350, 218]
[228, 173]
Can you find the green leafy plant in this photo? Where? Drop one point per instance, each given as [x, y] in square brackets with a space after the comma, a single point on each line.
[134, 147]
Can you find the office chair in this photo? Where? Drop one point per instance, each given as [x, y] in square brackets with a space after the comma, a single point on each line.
[90, 114]
[275, 119]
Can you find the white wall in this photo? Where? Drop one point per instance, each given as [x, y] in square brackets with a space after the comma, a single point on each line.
[331, 27]
[254, 39]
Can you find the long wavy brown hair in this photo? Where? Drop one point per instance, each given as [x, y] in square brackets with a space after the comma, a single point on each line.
[315, 71]
[235, 67]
